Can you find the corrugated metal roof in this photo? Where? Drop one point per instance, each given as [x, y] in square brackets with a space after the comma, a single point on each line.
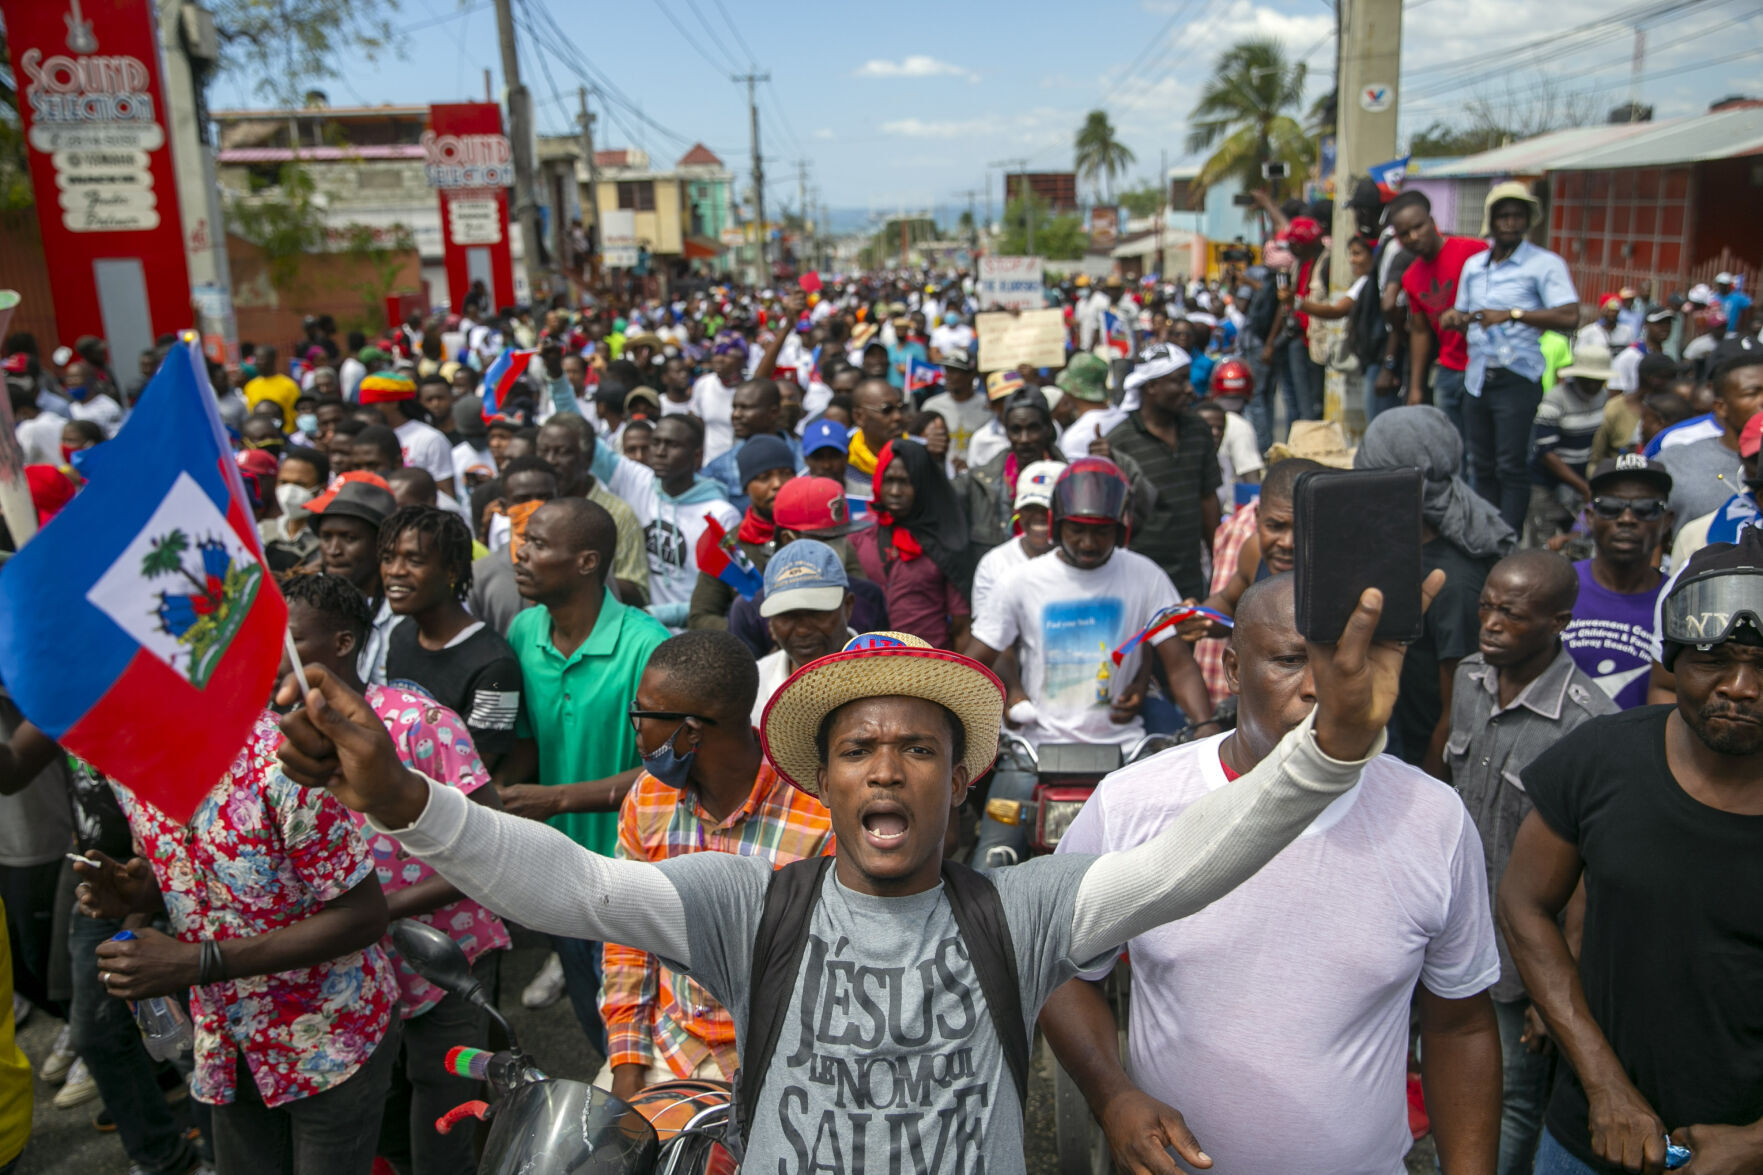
[1723, 134]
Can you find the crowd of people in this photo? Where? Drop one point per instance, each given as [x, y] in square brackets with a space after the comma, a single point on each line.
[612, 609]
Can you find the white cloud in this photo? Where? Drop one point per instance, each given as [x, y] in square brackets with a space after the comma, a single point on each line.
[825, 133]
[915, 66]
[918, 128]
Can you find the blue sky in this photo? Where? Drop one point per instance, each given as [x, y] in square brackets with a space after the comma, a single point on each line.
[906, 104]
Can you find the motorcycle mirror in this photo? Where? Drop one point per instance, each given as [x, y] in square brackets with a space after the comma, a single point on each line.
[435, 957]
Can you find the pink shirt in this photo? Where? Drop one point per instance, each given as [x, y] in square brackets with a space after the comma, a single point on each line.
[433, 740]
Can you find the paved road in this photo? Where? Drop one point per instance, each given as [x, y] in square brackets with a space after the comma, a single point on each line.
[64, 1141]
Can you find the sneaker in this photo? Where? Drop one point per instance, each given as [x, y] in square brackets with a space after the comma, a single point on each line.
[21, 1008]
[61, 1057]
[547, 986]
[102, 1122]
[78, 1089]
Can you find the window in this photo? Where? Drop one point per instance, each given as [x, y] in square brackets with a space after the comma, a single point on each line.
[637, 195]
[1179, 194]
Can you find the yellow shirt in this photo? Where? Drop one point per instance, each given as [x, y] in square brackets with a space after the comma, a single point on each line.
[15, 1070]
[277, 387]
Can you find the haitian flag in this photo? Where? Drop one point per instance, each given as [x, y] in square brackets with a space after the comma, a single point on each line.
[1388, 176]
[721, 556]
[920, 375]
[502, 378]
[143, 629]
[1114, 329]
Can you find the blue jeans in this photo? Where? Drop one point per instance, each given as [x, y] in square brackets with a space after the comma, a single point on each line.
[1306, 379]
[104, 1035]
[1259, 409]
[1447, 394]
[1496, 439]
[423, 1088]
[1011, 839]
[1525, 1077]
[1554, 1159]
[581, 978]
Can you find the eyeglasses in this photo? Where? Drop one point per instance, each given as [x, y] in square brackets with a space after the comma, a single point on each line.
[637, 716]
[1645, 509]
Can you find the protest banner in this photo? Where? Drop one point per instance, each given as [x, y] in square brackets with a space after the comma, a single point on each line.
[1010, 283]
[1034, 337]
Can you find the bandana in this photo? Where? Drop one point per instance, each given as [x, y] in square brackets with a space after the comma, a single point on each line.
[859, 455]
[754, 529]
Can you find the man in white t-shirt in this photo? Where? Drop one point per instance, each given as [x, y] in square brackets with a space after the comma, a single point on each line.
[424, 446]
[950, 335]
[960, 405]
[1033, 506]
[713, 395]
[1066, 614]
[1085, 382]
[1276, 1019]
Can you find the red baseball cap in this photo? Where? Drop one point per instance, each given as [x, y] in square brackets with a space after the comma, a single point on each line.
[1303, 231]
[814, 506]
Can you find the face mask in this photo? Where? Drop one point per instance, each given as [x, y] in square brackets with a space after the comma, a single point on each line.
[951, 320]
[307, 422]
[293, 498]
[80, 393]
[667, 764]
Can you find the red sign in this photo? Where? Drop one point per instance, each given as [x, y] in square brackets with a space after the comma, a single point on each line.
[470, 164]
[92, 104]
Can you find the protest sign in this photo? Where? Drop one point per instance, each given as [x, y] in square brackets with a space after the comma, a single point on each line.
[1013, 283]
[1034, 337]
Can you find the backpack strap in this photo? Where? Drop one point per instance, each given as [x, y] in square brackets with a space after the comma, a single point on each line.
[790, 898]
[979, 916]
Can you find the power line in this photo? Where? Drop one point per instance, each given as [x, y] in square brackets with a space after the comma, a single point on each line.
[1655, 76]
[735, 29]
[689, 39]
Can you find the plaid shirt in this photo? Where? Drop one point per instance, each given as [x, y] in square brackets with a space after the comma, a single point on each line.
[655, 1014]
[1227, 546]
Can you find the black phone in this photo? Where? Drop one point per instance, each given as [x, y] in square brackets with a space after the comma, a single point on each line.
[1351, 531]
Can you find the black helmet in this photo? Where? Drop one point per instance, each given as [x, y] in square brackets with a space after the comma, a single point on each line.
[1092, 489]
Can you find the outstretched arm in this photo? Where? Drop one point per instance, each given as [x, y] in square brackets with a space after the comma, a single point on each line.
[1219, 842]
[525, 870]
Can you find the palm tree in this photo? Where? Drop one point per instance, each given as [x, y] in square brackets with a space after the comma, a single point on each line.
[1099, 153]
[1243, 115]
[167, 557]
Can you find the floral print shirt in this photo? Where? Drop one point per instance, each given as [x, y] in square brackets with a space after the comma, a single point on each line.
[433, 740]
[262, 853]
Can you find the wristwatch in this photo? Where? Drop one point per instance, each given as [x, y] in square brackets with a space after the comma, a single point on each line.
[1391, 363]
[1517, 314]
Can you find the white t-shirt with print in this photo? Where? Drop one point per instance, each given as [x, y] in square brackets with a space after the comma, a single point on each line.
[1066, 623]
[426, 448]
[714, 404]
[1293, 989]
[1238, 455]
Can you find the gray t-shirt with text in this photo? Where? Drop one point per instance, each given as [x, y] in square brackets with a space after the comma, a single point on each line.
[888, 1061]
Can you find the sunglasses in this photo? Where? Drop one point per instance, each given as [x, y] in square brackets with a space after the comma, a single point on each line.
[1645, 509]
[637, 716]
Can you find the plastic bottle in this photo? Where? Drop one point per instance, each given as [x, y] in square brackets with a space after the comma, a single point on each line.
[164, 1022]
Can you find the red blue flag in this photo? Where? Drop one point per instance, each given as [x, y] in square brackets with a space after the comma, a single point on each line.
[920, 375]
[1114, 329]
[721, 556]
[502, 377]
[142, 628]
[1168, 618]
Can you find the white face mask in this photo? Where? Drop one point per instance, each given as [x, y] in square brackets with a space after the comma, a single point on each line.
[293, 498]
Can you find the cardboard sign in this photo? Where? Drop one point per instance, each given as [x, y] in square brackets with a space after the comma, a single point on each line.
[1034, 337]
[1013, 283]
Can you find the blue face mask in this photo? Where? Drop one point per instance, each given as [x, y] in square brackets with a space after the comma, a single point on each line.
[667, 764]
[80, 393]
[307, 422]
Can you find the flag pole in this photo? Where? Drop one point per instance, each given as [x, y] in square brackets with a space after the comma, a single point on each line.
[294, 659]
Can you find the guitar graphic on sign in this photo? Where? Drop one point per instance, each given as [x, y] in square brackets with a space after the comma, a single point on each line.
[80, 38]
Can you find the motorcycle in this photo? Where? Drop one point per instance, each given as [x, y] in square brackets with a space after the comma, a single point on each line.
[542, 1125]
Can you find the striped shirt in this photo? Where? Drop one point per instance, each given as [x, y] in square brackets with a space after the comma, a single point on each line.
[1168, 488]
[656, 1015]
[1567, 422]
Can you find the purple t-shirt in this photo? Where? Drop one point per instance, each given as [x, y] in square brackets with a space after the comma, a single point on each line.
[1611, 637]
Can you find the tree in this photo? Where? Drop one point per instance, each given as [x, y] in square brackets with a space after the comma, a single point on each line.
[1492, 121]
[1243, 115]
[1144, 200]
[286, 222]
[1057, 238]
[1099, 153]
[289, 44]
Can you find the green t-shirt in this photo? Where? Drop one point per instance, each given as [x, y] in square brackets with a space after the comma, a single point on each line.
[575, 707]
[1557, 353]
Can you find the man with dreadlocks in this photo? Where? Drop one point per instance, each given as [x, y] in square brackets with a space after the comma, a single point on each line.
[446, 652]
[327, 621]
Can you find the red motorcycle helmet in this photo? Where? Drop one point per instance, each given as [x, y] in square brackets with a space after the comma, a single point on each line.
[1092, 489]
[1232, 378]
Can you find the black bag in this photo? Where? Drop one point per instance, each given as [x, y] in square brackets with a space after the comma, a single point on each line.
[1367, 329]
[790, 898]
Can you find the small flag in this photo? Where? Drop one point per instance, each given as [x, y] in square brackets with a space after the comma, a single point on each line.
[1115, 334]
[921, 375]
[810, 282]
[158, 627]
[502, 378]
[1388, 176]
[1168, 618]
[721, 556]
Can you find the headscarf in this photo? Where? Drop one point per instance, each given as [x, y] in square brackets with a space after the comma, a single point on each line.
[936, 525]
[1422, 437]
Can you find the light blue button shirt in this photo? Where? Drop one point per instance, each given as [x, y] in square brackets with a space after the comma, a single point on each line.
[1530, 279]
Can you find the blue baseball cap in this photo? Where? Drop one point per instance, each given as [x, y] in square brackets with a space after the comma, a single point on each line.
[806, 574]
[826, 434]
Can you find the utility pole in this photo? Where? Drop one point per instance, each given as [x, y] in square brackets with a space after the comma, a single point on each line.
[1365, 108]
[972, 225]
[1022, 193]
[591, 222]
[1162, 209]
[520, 138]
[802, 206]
[753, 79]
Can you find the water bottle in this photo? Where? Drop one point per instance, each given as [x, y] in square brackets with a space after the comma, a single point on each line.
[164, 1022]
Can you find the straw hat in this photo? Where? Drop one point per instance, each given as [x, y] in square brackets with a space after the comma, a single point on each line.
[1590, 361]
[1322, 441]
[879, 665]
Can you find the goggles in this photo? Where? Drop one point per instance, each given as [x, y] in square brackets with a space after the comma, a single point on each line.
[1709, 609]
